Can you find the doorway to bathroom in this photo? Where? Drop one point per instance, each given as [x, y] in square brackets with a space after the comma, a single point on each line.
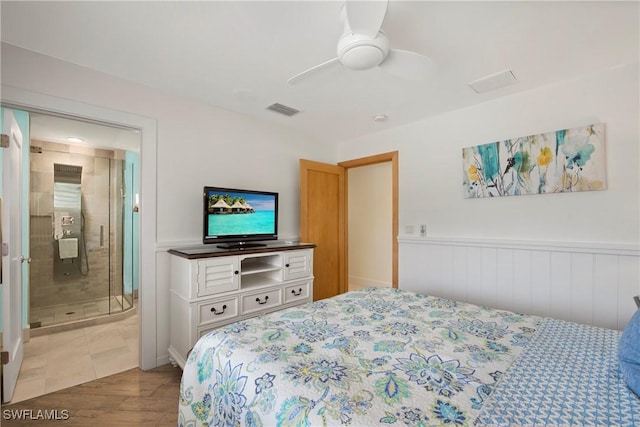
[83, 223]
[96, 342]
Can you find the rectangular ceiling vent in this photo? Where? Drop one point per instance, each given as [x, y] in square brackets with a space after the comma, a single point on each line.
[283, 109]
[494, 81]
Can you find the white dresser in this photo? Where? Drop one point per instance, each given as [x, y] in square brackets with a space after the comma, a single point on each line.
[211, 287]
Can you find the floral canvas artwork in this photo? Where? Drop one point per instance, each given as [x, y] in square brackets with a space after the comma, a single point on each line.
[567, 160]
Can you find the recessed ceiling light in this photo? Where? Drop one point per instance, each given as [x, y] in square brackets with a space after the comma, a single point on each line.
[380, 118]
[75, 139]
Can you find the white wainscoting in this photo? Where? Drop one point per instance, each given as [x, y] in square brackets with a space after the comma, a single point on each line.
[587, 283]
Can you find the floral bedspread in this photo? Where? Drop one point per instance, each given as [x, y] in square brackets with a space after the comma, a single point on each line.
[377, 356]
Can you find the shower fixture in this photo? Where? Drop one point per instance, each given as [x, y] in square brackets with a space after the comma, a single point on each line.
[68, 222]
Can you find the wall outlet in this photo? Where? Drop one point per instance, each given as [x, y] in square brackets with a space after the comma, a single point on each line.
[423, 230]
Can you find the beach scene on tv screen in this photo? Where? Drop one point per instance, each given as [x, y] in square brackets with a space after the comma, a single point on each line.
[241, 213]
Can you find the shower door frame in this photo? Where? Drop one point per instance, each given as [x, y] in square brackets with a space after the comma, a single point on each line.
[102, 287]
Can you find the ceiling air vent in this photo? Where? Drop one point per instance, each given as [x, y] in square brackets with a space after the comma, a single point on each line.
[283, 109]
[494, 81]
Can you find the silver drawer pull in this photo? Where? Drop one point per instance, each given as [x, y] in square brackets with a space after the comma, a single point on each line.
[293, 291]
[213, 310]
[262, 302]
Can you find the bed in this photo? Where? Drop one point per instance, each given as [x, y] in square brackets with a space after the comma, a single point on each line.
[383, 356]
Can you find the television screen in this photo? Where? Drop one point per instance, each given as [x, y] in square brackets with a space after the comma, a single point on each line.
[237, 216]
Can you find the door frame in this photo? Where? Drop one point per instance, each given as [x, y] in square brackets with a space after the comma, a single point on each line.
[26, 100]
[392, 157]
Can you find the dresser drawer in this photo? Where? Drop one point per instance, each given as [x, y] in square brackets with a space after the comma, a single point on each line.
[221, 309]
[260, 301]
[296, 292]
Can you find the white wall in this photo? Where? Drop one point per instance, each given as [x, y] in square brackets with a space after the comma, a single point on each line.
[430, 179]
[430, 159]
[197, 145]
[370, 225]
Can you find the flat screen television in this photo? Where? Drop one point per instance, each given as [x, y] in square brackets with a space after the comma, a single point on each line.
[237, 218]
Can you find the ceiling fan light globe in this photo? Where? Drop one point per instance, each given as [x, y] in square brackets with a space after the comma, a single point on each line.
[357, 52]
[362, 57]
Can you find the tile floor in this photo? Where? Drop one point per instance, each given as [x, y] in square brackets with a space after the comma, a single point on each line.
[64, 359]
[58, 314]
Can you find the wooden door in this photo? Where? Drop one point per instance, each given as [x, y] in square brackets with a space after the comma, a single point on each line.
[322, 221]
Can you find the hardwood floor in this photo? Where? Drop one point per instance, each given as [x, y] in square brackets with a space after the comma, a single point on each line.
[130, 398]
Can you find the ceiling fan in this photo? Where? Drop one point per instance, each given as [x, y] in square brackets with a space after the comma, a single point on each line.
[363, 46]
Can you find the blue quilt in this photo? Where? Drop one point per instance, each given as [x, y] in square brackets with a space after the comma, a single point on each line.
[373, 357]
[567, 375]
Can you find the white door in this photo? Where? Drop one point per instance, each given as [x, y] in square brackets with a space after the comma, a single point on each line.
[12, 261]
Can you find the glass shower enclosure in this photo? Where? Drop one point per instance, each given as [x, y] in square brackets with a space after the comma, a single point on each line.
[79, 228]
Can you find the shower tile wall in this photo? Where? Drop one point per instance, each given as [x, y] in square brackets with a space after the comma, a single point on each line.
[45, 290]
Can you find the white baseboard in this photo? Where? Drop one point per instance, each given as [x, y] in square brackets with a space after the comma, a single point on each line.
[363, 282]
[162, 360]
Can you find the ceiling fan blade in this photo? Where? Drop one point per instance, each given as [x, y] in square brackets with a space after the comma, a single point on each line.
[408, 65]
[332, 63]
[365, 17]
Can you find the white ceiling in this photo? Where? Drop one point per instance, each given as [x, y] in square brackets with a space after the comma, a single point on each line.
[239, 54]
[45, 127]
